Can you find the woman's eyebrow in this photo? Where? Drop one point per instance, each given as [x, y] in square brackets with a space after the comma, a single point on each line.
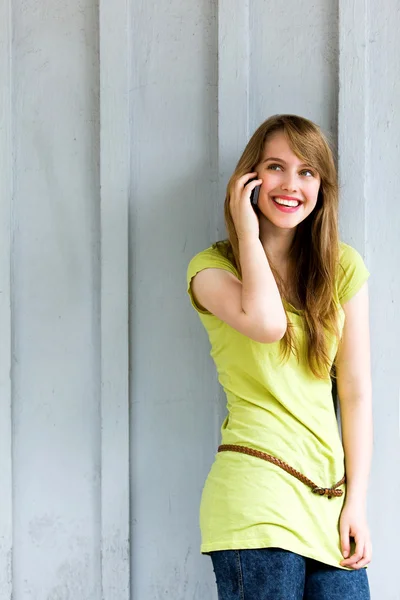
[282, 161]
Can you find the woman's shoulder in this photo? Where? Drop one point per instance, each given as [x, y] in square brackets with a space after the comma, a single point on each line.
[349, 257]
[352, 272]
[218, 256]
[347, 251]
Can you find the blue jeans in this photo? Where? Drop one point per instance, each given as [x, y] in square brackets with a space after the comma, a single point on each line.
[275, 574]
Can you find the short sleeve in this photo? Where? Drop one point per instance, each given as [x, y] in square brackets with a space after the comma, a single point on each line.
[207, 259]
[352, 273]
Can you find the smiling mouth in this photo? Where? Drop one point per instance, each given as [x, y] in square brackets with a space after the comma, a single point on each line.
[288, 203]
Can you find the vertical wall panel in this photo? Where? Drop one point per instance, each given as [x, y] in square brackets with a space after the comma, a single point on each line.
[353, 123]
[56, 371]
[233, 92]
[115, 180]
[294, 58]
[173, 390]
[6, 190]
[370, 220]
[383, 258]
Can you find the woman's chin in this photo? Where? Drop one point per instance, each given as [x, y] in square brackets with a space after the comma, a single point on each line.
[284, 222]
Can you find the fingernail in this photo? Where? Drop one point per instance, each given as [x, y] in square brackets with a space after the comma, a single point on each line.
[345, 554]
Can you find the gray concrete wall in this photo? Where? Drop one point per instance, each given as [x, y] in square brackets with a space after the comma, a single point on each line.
[120, 125]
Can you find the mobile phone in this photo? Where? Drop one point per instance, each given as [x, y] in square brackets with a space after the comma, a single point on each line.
[254, 193]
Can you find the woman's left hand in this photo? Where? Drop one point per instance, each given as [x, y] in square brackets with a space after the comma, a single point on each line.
[353, 524]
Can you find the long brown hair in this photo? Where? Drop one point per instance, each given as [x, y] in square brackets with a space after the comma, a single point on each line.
[315, 247]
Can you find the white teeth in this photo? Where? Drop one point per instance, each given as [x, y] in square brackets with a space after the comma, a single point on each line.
[287, 202]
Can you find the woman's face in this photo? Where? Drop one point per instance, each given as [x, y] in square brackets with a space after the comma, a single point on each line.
[289, 190]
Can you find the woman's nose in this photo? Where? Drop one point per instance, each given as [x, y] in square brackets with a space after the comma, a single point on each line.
[289, 182]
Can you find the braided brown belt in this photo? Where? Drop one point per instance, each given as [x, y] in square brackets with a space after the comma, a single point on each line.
[333, 491]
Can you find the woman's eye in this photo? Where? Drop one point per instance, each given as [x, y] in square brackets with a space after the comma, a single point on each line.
[307, 172]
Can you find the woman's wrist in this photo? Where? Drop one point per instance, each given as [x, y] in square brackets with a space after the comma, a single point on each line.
[356, 498]
[248, 237]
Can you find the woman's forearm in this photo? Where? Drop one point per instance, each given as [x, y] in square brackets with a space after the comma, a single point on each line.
[356, 418]
[260, 294]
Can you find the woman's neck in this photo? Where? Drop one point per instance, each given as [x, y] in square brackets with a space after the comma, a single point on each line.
[276, 242]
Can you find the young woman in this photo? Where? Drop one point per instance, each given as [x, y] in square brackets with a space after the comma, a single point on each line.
[285, 305]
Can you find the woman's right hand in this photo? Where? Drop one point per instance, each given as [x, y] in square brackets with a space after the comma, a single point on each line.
[243, 214]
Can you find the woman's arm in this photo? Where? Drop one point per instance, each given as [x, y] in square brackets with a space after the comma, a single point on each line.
[252, 306]
[355, 396]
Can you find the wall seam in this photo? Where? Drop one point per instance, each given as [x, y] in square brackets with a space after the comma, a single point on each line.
[6, 311]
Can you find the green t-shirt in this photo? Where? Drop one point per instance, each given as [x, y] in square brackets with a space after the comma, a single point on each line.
[280, 408]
